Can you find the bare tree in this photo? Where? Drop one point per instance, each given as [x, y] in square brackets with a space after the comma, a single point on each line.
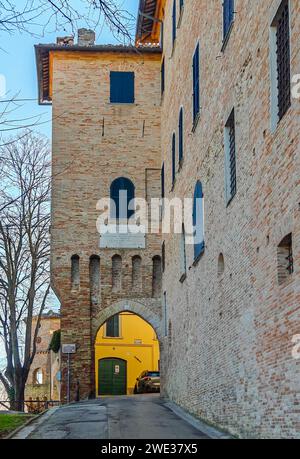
[35, 16]
[24, 255]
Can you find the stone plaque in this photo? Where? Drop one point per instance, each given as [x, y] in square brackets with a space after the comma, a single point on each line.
[122, 239]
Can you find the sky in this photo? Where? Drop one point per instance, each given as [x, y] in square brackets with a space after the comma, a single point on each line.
[17, 65]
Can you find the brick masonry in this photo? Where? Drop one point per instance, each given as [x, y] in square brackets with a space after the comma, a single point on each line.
[229, 359]
[47, 361]
[94, 142]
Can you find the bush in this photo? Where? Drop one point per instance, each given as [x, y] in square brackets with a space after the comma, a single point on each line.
[55, 342]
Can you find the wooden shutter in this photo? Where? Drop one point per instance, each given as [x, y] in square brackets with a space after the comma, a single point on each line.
[122, 87]
[174, 25]
[122, 184]
[112, 327]
[228, 15]
[163, 181]
[173, 158]
[196, 83]
[163, 76]
[180, 139]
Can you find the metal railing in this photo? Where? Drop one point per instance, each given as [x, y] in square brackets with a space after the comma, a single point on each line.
[30, 406]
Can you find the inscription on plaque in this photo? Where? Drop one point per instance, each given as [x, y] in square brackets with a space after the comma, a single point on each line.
[122, 239]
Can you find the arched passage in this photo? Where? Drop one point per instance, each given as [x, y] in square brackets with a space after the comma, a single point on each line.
[126, 345]
[132, 306]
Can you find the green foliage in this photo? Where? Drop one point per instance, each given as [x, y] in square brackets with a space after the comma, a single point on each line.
[55, 342]
[11, 394]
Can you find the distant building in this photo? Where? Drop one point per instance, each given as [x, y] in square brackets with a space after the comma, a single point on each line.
[44, 376]
[125, 347]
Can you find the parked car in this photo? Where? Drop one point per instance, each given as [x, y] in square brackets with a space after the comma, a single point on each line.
[148, 381]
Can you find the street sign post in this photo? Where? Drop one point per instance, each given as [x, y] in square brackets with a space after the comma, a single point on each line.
[69, 349]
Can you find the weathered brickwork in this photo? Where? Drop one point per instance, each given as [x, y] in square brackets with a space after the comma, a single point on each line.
[46, 361]
[95, 142]
[229, 359]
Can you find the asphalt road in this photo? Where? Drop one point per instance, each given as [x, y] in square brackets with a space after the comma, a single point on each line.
[136, 417]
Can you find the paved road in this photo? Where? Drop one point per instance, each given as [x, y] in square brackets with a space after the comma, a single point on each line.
[137, 417]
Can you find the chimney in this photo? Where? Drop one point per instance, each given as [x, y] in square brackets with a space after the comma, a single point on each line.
[86, 37]
[65, 41]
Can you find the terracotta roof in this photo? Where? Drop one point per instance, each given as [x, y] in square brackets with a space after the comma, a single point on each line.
[42, 60]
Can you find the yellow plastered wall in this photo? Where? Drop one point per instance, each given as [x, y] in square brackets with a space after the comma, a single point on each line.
[137, 344]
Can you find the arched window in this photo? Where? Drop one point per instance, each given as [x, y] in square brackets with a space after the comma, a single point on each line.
[38, 377]
[173, 158]
[156, 277]
[180, 136]
[122, 192]
[198, 221]
[75, 271]
[136, 273]
[94, 278]
[221, 264]
[116, 273]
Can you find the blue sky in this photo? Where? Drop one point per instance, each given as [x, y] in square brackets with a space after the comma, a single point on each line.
[17, 64]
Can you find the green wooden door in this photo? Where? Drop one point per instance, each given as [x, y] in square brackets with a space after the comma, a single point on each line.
[112, 377]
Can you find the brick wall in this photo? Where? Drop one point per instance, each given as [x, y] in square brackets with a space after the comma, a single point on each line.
[229, 358]
[94, 142]
[46, 361]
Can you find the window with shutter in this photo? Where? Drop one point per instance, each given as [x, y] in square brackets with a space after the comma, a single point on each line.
[228, 16]
[196, 84]
[174, 25]
[180, 136]
[230, 158]
[198, 221]
[113, 327]
[122, 87]
[163, 77]
[173, 159]
[163, 181]
[122, 193]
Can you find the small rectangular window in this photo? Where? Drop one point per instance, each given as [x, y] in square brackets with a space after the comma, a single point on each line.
[165, 314]
[163, 76]
[228, 16]
[196, 84]
[285, 259]
[173, 159]
[122, 87]
[230, 158]
[163, 181]
[180, 136]
[113, 327]
[174, 22]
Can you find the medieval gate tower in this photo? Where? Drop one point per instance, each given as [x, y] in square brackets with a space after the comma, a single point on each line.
[106, 138]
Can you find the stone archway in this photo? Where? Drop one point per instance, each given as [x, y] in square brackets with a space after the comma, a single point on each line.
[130, 306]
[139, 309]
